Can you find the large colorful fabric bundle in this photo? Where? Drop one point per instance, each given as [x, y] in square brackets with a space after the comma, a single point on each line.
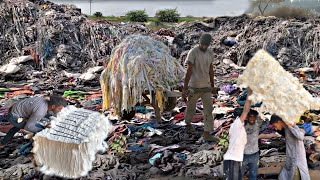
[69, 147]
[137, 64]
[279, 90]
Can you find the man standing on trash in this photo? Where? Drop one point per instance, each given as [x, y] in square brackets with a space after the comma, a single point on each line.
[296, 166]
[199, 83]
[27, 113]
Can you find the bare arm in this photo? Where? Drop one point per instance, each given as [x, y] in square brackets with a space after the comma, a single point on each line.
[211, 73]
[33, 120]
[188, 76]
[267, 136]
[247, 105]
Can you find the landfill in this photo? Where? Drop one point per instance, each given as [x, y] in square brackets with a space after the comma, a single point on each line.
[47, 48]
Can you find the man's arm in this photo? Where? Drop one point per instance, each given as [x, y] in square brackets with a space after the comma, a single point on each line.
[186, 82]
[267, 136]
[33, 120]
[296, 132]
[188, 76]
[189, 62]
[211, 73]
[247, 105]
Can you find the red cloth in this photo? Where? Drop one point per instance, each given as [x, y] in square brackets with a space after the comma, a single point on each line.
[197, 118]
[179, 117]
[5, 127]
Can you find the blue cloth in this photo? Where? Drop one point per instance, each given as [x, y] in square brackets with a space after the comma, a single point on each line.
[154, 158]
[148, 125]
[142, 109]
[229, 42]
[25, 149]
[307, 128]
[251, 161]
[242, 100]
[138, 148]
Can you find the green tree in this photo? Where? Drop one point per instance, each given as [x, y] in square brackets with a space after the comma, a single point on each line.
[97, 14]
[262, 5]
[137, 16]
[168, 15]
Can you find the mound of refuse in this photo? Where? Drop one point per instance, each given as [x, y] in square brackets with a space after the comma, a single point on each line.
[68, 149]
[280, 92]
[138, 64]
[56, 36]
[294, 42]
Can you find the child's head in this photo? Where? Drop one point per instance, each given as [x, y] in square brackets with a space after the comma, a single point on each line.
[277, 122]
[252, 116]
[306, 117]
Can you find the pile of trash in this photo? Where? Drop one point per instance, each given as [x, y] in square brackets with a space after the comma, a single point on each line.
[55, 47]
[57, 37]
[138, 64]
[294, 43]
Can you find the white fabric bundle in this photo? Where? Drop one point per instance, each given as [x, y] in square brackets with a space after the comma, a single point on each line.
[69, 147]
[137, 64]
[280, 92]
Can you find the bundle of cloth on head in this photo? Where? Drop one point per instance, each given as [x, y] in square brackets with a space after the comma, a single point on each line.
[280, 92]
[69, 147]
[138, 64]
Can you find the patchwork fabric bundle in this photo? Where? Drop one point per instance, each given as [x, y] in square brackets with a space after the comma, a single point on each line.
[69, 147]
[279, 90]
[137, 64]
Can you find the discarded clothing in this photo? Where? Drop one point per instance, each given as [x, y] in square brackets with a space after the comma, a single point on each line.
[75, 134]
[307, 127]
[211, 158]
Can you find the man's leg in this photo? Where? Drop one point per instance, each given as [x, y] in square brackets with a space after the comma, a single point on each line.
[297, 174]
[227, 169]
[7, 138]
[244, 165]
[208, 119]
[231, 170]
[253, 166]
[191, 108]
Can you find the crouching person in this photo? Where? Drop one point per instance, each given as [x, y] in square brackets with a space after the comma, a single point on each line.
[27, 113]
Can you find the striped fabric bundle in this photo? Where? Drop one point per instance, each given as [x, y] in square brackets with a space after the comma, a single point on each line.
[137, 64]
[69, 147]
[280, 92]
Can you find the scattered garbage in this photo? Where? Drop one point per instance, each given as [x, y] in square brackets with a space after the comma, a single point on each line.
[48, 48]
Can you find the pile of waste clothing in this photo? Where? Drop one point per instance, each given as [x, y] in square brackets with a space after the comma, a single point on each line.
[139, 64]
[56, 37]
[294, 42]
[141, 148]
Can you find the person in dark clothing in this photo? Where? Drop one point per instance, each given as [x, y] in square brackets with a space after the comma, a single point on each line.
[27, 113]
